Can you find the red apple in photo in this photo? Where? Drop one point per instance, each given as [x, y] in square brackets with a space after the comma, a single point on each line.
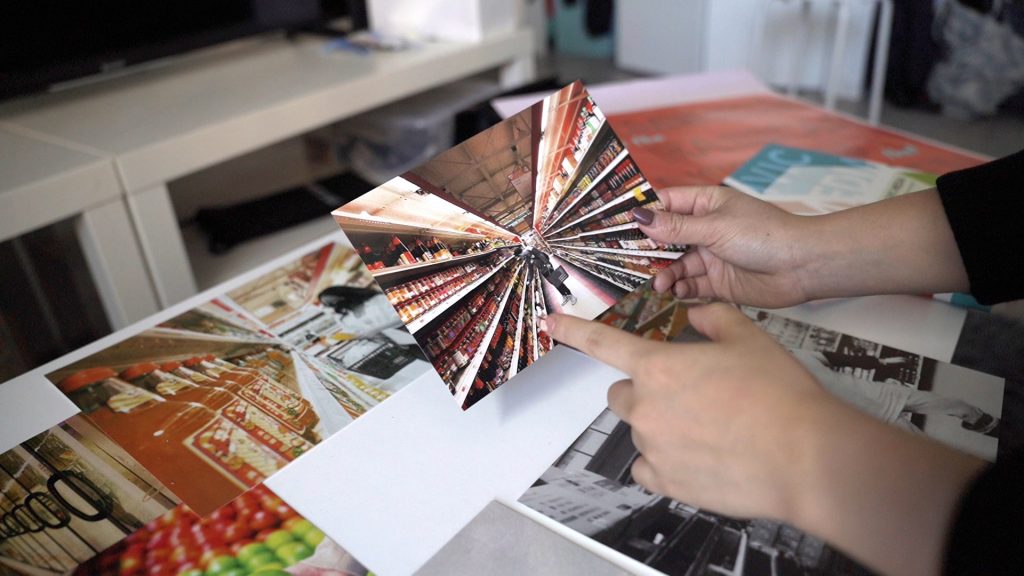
[262, 534]
[236, 546]
[157, 556]
[224, 513]
[236, 531]
[210, 535]
[131, 562]
[262, 520]
[160, 539]
[162, 569]
[181, 554]
[212, 553]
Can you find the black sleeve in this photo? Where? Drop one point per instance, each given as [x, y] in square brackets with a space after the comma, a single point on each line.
[985, 209]
[988, 530]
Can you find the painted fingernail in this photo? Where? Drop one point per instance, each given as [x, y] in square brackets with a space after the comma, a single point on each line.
[643, 216]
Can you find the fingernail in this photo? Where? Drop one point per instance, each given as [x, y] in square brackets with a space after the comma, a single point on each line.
[643, 216]
[543, 323]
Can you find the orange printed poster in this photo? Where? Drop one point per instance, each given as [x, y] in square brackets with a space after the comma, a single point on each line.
[705, 142]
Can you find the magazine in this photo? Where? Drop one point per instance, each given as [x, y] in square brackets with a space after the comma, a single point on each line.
[811, 182]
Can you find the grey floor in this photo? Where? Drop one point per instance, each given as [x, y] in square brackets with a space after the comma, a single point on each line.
[996, 136]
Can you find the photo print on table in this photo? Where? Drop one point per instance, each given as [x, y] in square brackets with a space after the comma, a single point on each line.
[256, 533]
[218, 398]
[529, 217]
[68, 493]
[590, 488]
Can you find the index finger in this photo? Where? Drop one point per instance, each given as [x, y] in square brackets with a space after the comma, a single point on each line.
[617, 348]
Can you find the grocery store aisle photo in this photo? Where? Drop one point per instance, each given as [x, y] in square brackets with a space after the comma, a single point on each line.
[529, 217]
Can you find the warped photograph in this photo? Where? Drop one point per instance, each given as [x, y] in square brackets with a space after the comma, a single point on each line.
[530, 217]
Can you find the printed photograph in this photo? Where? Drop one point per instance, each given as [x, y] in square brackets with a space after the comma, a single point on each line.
[590, 488]
[69, 493]
[257, 533]
[217, 399]
[954, 405]
[529, 217]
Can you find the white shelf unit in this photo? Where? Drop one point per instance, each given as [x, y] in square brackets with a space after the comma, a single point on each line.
[165, 123]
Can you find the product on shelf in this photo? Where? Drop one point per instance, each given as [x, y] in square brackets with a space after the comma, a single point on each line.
[201, 455]
[261, 425]
[415, 297]
[285, 405]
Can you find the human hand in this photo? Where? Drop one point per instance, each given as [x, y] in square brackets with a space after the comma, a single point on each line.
[719, 424]
[744, 250]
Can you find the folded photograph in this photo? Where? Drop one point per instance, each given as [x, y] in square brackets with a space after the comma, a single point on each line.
[590, 488]
[215, 400]
[529, 217]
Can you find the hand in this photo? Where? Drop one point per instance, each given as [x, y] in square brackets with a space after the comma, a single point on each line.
[745, 250]
[719, 424]
[736, 425]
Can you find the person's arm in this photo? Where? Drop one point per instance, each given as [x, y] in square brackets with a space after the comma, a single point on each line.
[903, 245]
[964, 235]
[738, 426]
[749, 251]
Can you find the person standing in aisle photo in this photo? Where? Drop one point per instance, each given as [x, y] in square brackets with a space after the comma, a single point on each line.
[739, 426]
[556, 277]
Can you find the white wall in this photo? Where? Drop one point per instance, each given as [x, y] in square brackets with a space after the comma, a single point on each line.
[686, 36]
[730, 31]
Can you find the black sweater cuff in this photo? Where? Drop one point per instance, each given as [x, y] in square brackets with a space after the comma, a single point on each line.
[985, 209]
[988, 530]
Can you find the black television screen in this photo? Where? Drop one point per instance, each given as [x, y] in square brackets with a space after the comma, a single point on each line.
[51, 41]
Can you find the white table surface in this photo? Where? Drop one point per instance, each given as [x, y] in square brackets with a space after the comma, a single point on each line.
[395, 485]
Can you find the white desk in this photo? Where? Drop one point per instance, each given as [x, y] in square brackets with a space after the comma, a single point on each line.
[42, 183]
[164, 123]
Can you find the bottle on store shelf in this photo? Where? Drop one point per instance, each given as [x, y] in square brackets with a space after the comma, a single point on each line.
[370, 257]
[201, 456]
[163, 381]
[397, 254]
[285, 405]
[441, 251]
[260, 425]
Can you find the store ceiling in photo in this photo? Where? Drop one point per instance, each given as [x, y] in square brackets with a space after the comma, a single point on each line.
[490, 173]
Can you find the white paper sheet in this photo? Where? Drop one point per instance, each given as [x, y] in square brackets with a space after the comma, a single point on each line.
[399, 482]
[652, 93]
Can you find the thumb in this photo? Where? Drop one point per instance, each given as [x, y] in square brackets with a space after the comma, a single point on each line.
[720, 322]
[672, 228]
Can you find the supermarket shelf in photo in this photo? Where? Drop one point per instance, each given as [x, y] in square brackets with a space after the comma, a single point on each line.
[603, 133]
[625, 196]
[590, 187]
[599, 263]
[609, 230]
[427, 317]
[602, 276]
[394, 273]
[648, 253]
[469, 373]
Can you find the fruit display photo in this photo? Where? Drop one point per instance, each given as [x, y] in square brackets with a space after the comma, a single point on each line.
[255, 534]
